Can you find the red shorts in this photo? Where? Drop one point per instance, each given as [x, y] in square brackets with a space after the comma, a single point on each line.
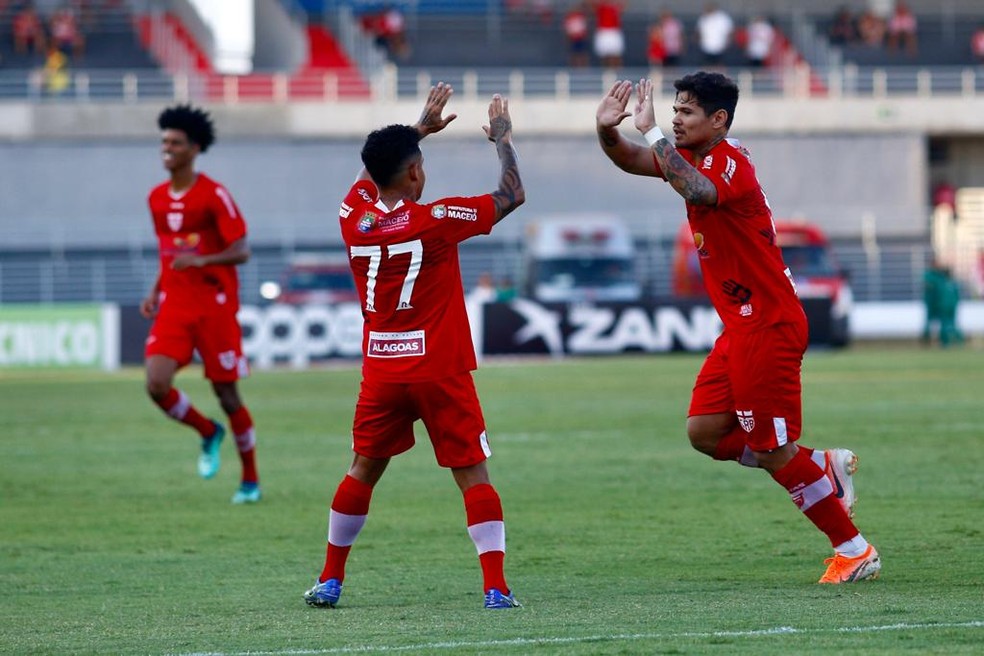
[213, 331]
[757, 377]
[449, 408]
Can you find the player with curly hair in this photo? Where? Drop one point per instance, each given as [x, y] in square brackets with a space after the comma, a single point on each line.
[193, 304]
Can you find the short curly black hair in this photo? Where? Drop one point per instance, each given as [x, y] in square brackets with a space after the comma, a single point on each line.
[194, 122]
[388, 149]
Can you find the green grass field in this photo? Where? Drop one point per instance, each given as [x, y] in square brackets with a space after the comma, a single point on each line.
[621, 539]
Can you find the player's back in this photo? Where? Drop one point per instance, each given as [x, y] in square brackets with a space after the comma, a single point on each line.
[405, 264]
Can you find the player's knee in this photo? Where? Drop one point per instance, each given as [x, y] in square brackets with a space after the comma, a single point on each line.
[704, 434]
[158, 389]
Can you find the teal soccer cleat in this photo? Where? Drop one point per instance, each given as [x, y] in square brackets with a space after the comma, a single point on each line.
[208, 460]
[247, 493]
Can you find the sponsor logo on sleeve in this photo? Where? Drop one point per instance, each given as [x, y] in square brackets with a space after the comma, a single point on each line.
[439, 211]
[729, 170]
[365, 195]
[462, 213]
[344, 211]
[395, 345]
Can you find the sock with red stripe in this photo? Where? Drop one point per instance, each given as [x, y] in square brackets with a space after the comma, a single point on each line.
[348, 514]
[177, 406]
[483, 510]
[242, 428]
[813, 494]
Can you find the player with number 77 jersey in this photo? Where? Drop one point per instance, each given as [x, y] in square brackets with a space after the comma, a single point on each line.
[417, 350]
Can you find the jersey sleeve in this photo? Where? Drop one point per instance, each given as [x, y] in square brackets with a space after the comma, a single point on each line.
[731, 173]
[227, 217]
[362, 191]
[462, 217]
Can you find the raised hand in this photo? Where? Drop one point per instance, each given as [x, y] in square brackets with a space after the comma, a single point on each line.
[612, 111]
[644, 116]
[431, 119]
[500, 124]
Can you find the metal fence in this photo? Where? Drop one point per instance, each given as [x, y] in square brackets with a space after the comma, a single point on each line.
[878, 271]
[129, 86]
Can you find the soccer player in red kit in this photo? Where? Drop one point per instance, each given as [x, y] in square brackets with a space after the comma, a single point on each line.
[202, 237]
[417, 349]
[746, 403]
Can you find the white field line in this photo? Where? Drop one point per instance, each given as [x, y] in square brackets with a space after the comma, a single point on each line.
[622, 637]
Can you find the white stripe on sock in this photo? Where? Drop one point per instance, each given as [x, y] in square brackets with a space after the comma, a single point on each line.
[343, 529]
[488, 536]
[246, 441]
[180, 409]
[815, 492]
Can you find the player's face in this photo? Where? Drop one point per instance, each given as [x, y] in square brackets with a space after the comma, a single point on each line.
[177, 151]
[692, 127]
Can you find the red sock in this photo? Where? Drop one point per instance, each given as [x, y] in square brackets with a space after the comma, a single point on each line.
[242, 429]
[732, 447]
[177, 406]
[483, 510]
[813, 494]
[349, 509]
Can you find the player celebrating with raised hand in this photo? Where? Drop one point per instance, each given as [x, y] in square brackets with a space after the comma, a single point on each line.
[202, 237]
[417, 349]
[746, 403]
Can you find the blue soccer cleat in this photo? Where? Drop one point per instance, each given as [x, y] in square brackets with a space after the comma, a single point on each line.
[247, 493]
[208, 460]
[495, 599]
[324, 595]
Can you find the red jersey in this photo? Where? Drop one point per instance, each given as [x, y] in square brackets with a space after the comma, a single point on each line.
[608, 15]
[745, 276]
[202, 220]
[405, 264]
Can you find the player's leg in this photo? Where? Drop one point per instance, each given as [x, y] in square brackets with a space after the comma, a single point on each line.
[382, 428]
[766, 380]
[712, 425]
[160, 371]
[244, 433]
[453, 417]
[169, 347]
[219, 343]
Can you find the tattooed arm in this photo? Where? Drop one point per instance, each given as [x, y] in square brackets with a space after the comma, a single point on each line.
[695, 188]
[510, 193]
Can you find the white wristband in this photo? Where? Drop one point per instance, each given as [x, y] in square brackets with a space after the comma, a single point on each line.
[653, 136]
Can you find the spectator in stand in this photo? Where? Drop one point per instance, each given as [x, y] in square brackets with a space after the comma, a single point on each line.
[674, 39]
[760, 36]
[871, 29]
[65, 31]
[655, 49]
[576, 31]
[394, 33]
[842, 29]
[714, 28]
[977, 44]
[902, 27]
[29, 31]
[609, 40]
[56, 77]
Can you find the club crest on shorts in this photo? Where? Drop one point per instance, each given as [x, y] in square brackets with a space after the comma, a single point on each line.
[746, 420]
[227, 359]
[367, 221]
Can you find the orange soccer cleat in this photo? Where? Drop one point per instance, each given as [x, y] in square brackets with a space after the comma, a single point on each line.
[841, 569]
